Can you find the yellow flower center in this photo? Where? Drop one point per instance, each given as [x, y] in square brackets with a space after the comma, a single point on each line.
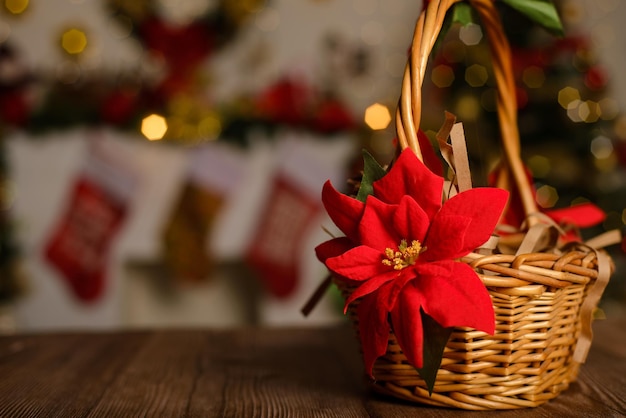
[405, 256]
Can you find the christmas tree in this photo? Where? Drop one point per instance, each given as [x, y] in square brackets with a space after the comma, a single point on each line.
[572, 133]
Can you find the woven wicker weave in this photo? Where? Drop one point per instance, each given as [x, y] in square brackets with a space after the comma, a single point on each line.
[542, 301]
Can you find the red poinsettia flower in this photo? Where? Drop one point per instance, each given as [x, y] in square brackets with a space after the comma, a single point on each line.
[401, 248]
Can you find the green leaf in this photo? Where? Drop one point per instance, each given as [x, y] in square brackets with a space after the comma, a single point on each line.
[463, 13]
[435, 340]
[372, 171]
[541, 11]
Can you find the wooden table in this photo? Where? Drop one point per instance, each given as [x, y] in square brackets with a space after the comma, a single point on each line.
[247, 373]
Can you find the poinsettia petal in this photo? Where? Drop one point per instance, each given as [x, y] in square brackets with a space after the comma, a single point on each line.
[333, 248]
[446, 238]
[358, 263]
[407, 324]
[370, 286]
[457, 299]
[375, 229]
[583, 215]
[410, 221]
[409, 176]
[344, 210]
[431, 160]
[373, 331]
[483, 206]
[388, 295]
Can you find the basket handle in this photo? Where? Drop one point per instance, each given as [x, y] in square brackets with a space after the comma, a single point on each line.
[408, 114]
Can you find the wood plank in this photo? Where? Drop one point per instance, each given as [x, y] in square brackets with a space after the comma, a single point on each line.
[247, 373]
[280, 373]
[60, 375]
[158, 381]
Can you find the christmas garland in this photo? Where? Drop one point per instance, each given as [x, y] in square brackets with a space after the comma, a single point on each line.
[122, 100]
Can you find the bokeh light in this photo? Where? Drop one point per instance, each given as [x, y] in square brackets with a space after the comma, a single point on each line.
[547, 196]
[210, 127]
[539, 165]
[489, 100]
[470, 34]
[589, 111]
[154, 127]
[573, 110]
[16, 7]
[467, 108]
[442, 76]
[74, 41]
[609, 108]
[377, 116]
[533, 77]
[476, 75]
[601, 147]
[567, 95]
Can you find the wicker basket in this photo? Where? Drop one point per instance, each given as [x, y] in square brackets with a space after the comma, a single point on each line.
[543, 301]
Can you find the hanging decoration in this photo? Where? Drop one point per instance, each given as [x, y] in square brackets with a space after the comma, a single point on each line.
[215, 171]
[173, 105]
[80, 244]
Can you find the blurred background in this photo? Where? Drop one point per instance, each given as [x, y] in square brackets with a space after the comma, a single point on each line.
[161, 161]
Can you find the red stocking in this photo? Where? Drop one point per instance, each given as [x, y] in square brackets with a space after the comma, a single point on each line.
[277, 245]
[80, 244]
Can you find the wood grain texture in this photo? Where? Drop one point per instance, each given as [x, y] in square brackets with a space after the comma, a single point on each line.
[247, 373]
